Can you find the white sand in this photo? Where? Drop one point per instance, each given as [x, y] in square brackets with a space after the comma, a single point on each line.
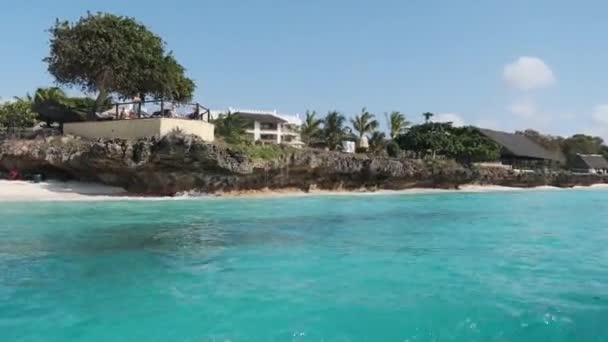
[55, 191]
[19, 191]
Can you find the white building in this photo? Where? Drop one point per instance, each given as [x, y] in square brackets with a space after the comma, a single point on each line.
[269, 126]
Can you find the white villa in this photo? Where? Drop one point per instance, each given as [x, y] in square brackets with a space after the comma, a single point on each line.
[269, 126]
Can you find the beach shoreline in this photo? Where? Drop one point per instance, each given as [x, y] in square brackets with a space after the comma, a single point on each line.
[24, 191]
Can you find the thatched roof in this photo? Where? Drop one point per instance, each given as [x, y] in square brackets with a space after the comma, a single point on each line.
[519, 145]
[591, 161]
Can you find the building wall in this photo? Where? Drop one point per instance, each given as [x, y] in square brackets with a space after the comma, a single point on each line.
[278, 133]
[140, 128]
[200, 128]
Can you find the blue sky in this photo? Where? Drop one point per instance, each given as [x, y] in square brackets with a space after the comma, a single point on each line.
[501, 64]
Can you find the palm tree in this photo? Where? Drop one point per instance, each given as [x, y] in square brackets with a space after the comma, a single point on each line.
[311, 128]
[231, 127]
[427, 116]
[364, 123]
[397, 124]
[53, 105]
[333, 129]
[377, 141]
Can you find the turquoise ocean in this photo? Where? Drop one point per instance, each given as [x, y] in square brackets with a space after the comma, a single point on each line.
[512, 266]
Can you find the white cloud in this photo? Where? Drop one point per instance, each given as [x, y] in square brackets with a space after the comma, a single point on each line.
[454, 118]
[528, 73]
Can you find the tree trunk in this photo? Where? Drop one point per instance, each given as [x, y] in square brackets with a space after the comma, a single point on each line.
[101, 97]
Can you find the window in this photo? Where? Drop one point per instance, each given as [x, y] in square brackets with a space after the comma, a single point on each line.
[268, 137]
[268, 126]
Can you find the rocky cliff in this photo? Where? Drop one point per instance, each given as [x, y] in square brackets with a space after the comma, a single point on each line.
[178, 163]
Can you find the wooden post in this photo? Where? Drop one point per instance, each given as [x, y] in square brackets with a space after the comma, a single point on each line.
[139, 110]
[117, 112]
[162, 108]
[198, 112]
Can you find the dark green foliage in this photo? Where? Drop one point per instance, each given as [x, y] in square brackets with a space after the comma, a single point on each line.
[17, 114]
[377, 142]
[397, 123]
[364, 123]
[427, 116]
[231, 128]
[429, 138]
[334, 131]
[583, 144]
[262, 152]
[311, 130]
[108, 54]
[393, 149]
[53, 105]
[465, 144]
[469, 145]
[570, 147]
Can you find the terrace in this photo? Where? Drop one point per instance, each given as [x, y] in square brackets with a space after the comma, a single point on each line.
[144, 119]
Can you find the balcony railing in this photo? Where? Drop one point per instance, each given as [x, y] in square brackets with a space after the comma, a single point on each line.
[159, 109]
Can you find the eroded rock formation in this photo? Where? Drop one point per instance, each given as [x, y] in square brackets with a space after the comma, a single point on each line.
[178, 163]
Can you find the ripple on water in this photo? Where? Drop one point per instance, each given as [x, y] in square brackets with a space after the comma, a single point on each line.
[524, 266]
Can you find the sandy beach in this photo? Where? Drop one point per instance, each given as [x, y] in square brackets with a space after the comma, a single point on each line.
[19, 191]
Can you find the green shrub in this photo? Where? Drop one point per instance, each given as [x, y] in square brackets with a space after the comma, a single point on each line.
[262, 152]
[393, 149]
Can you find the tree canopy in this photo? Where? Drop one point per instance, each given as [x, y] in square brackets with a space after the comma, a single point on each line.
[583, 144]
[114, 55]
[311, 128]
[377, 142]
[334, 131]
[17, 113]
[230, 127]
[364, 123]
[464, 144]
[397, 124]
[53, 105]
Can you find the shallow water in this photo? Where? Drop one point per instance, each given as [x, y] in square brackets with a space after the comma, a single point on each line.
[519, 266]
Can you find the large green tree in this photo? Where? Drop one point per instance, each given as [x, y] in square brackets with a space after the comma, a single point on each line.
[108, 54]
[311, 130]
[334, 131]
[583, 144]
[364, 123]
[397, 124]
[465, 144]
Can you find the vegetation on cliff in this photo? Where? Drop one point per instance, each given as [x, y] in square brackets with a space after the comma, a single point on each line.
[176, 163]
[570, 146]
